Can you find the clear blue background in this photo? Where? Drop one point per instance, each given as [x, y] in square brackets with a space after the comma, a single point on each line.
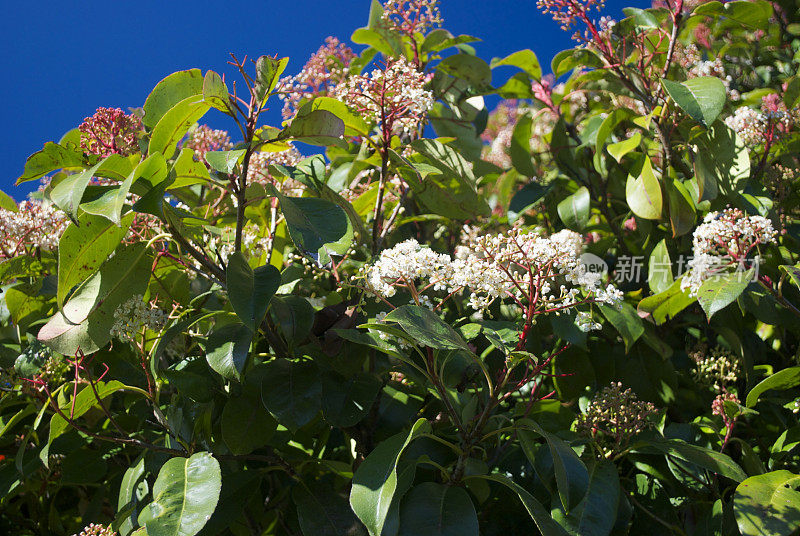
[63, 59]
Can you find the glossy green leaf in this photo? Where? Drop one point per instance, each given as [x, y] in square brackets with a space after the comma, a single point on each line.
[575, 210]
[215, 93]
[666, 304]
[719, 291]
[376, 480]
[524, 59]
[783, 379]
[354, 124]
[793, 273]
[268, 73]
[702, 97]
[294, 315]
[345, 401]
[82, 248]
[471, 69]
[681, 208]
[526, 197]
[752, 14]
[768, 505]
[246, 425]
[643, 193]
[567, 60]
[705, 458]
[540, 515]
[227, 350]
[626, 321]
[426, 328]
[721, 162]
[431, 509]
[318, 228]
[7, 203]
[169, 92]
[322, 512]
[520, 148]
[250, 290]
[185, 495]
[315, 127]
[131, 490]
[52, 157]
[599, 508]
[659, 268]
[175, 123]
[86, 319]
[621, 148]
[225, 161]
[291, 392]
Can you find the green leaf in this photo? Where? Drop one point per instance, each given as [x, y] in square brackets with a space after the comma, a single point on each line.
[702, 97]
[227, 350]
[719, 291]
[86, 319]
[666, 304]
[52, 157]
[84, 247]
[246, 425]
[354, 125]
[426, 328]
[706, 458]
[599, 508]
[643, 193]
[322, 512]
[621, 148]
[175, 123]
[471, 69]
[7, 203]
[540, 515]
[345, 401]
[659, 268]
[291, 392]
[575, 210]
[768, 505]
[627, 322]
[381, 40]
[793, 273]
[185, 494]
[572, 477]
[295, 317]
[526, 197]
[681, 208]
[131, 490]
[524, 59]
[109, 205]
[783, 379]
[753, 14]
[431, 509]
[315, 127]
[268, 73]
[68, 194]
[318, 228]
[721, 162]
[187, 171]
[566, 60]
[225, 161]
[215, 93]
[376, 480]
[169, 92]
[520, 148]
[250, 290]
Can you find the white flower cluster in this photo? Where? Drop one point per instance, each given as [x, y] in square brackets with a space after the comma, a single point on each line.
[606, 26]
[749, 124]
[395, 95]
[525, 266]
[35, 224]
[258, 168]
[133, 315]
[724, 240]
[716, 69]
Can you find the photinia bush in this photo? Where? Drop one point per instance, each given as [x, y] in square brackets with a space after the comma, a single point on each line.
[575, 314]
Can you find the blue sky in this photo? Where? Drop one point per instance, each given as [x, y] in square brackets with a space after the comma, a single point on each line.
[61, 60]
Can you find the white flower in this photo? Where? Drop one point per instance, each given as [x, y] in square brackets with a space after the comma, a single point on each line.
[34, 225]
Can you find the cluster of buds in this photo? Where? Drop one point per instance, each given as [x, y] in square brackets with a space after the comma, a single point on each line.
[135, 314]
[728, 418]
[566, 12]
[324, 70]
[111, 131]
[716, 368]
[393, 97]
[539, 274]
[410, 17]
[33, 225]
[204, 139]
[723, 243]
[96, 529]
[616, 416]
